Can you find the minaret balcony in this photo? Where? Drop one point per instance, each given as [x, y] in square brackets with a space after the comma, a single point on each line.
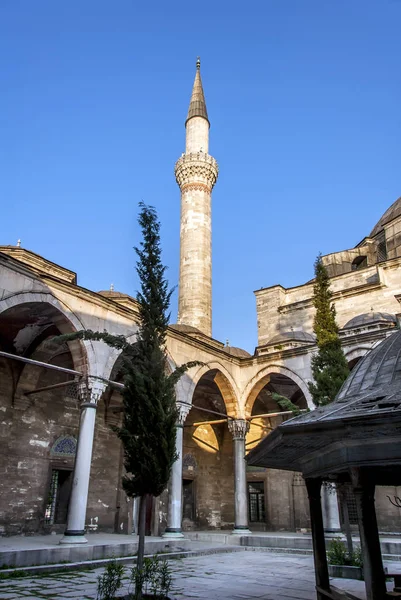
[196, 167]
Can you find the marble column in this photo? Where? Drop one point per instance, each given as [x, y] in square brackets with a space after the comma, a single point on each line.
[373, 572]
[90, 391]
[174, 514]
[331, 517]
[313, 487]
[239, 428]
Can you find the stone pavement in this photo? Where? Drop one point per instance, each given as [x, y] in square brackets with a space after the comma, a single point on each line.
[245, 575]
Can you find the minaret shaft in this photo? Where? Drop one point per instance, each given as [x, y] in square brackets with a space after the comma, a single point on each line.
[196, 173]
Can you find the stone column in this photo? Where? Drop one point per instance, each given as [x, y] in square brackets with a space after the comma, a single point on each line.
[90, 392]
[364, 492]
[319, 546]
[239, 428]
[174, 515]
[331, 518]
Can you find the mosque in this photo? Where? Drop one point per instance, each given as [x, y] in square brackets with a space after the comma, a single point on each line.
[60, 462]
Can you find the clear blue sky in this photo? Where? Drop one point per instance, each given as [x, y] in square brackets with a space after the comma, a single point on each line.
[304, 100]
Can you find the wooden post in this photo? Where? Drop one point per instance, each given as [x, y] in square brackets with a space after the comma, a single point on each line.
[375, 581]
[319, 546]
[347, 527]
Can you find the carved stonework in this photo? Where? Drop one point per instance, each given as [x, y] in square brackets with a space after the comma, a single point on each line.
[183, 410]
[239, 428]
[91, 390]
[65, 446]
[196, 187]
[192, 167]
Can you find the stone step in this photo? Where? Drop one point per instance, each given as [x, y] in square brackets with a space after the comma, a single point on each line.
[76, 566]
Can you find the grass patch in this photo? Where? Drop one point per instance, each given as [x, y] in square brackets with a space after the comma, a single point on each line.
[14, 575]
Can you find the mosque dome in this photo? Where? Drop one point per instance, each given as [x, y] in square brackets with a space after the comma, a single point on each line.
[370, 318]
[238, 352]
[391, 213]
[377, 375]
[185, 328]
[292, 336]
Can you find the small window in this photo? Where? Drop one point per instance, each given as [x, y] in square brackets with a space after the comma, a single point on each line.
[59, 497]
[256, 496]
[360, 262]
[381, 248]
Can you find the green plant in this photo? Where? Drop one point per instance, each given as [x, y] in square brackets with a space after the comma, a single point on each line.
[329, 365]
[286, 404]
[337, 554]
[14, 574]
[110, 581]
[357, 557]
[153, 577]
[148, 430]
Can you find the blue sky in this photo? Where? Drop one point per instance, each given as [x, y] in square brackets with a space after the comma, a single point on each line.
[304, 102]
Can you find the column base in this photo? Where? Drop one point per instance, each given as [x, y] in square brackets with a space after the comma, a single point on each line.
[241, 531]
[74, 537]
[173, 533]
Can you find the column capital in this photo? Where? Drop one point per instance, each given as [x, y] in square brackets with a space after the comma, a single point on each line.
[238, 428]
[182, 410]
[90, 390]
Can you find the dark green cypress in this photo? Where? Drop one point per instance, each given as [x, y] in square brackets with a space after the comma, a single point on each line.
[148, 431]
[329, 365]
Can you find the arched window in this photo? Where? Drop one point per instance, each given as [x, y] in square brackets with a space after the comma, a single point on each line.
[360, 262]
[65, 445]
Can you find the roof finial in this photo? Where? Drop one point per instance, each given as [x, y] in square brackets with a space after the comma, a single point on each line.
[19, 244]
[112, 287]
[198, 63]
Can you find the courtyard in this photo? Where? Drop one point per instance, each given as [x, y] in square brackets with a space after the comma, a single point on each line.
[242, 575]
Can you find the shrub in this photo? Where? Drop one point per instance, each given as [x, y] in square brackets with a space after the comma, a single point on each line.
[154, 577]
[110, 581]
[337, 554]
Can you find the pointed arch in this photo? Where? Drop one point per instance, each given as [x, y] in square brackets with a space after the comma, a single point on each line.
[258, 382]
[224, 382]
[62, 316]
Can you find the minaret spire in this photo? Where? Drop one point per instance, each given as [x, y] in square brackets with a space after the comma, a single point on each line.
[196, 173]
[197, 105]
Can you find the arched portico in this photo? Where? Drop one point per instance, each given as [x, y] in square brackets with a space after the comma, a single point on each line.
[274, 499]
[33, 313]
[289, 383]
[224, 381]
[40, 405]
[355, 355]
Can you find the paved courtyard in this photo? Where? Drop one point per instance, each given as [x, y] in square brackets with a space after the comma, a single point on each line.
[231, 576]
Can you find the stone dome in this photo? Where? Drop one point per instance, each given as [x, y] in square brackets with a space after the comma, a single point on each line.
[390, 214]
[292, 336]
[185, 328]
[371, 318]
[377, 376]
[238, 352]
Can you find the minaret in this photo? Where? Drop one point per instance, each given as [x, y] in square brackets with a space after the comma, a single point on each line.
[196, 173]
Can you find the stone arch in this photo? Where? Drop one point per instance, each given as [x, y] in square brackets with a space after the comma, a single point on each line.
[114, 355]
[356, 354]
[63, 317]
[258, 382]
[224, 382]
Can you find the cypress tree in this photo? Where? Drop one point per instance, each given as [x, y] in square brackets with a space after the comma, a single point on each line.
[148, 430]
[329, 365]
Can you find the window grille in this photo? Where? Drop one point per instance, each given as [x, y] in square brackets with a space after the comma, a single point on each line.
[347, 496]
[256, 494]
[381, 249]
[51, 503]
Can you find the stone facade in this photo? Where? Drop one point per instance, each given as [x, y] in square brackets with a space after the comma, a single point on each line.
[39, 299]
